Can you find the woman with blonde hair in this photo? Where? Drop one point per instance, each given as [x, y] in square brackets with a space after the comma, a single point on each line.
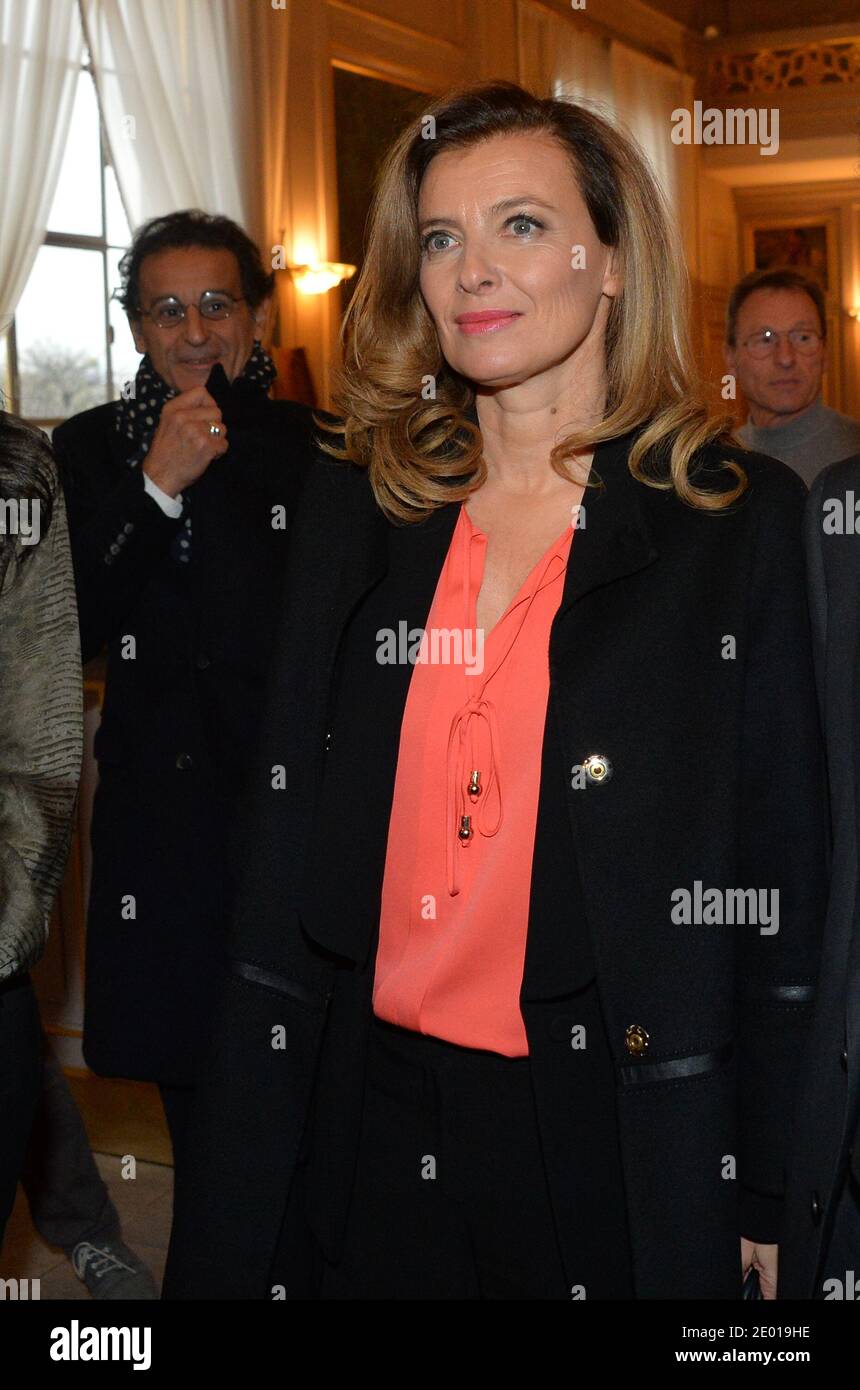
[524, 955]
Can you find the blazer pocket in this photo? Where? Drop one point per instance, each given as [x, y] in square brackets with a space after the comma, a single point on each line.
[687, 1068]
[314, 999]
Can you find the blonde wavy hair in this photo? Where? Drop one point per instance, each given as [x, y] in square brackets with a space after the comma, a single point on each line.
[423, 453]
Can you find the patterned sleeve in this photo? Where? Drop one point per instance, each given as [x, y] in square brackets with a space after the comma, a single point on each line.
[41, 736]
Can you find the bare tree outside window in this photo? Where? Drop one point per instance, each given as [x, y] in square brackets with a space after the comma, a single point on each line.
[67, 348]
[57, 381]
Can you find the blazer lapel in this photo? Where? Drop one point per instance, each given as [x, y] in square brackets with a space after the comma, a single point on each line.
[613, 538]
[340, 897]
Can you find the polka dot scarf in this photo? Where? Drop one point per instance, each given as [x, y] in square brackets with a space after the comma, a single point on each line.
[139, 410]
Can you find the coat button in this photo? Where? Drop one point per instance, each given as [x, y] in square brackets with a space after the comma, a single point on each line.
[597, 768]
[635, 1040]
[114, 550]
[202, 661]
[128, 527]
[815, 1208]
[184, 761]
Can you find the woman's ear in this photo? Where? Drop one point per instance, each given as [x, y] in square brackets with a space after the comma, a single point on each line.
[613, 280]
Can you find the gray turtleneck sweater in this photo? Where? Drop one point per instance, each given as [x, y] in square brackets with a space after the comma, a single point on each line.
[817, 437]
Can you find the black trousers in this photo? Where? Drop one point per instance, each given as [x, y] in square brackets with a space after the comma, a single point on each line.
[68, 1200]
[20, 1074]
[450, 1199]
[177, 1102]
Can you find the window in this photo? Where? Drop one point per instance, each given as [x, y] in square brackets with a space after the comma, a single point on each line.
[69, 346]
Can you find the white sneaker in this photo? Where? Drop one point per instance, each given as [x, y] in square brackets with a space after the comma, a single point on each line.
[111, 1270]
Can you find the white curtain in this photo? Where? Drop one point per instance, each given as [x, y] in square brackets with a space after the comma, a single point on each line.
[173, 78]
[266, 41]
[645, 94]
[561, 59]
[41, 49]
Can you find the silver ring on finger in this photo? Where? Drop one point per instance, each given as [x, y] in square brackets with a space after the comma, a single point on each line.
[214, 429]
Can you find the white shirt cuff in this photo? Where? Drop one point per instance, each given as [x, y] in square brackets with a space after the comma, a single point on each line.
[171, 506]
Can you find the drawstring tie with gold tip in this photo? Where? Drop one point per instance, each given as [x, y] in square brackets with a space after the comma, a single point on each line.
[474, 798]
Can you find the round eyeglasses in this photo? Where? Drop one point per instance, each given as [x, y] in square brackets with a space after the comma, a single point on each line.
[803, 340]
[169, 311]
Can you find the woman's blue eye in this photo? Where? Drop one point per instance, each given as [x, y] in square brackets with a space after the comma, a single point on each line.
[524, 217]
[429, 238]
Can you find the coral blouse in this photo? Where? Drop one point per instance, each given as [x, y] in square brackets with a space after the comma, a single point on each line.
[455, 895]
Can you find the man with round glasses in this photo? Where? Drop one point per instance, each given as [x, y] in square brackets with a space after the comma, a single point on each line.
[775, 346]
[180, 498]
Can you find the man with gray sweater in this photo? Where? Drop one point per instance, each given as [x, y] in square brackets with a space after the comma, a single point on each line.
[776, 332]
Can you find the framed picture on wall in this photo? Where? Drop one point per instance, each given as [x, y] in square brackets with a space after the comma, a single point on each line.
[802, 247]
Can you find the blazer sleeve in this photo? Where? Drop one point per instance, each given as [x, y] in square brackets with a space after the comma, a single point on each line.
[41, 738]
[783, 848]
[119, 534]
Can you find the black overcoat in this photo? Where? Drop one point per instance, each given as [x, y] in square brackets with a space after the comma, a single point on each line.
[681, 653]
[827, 1132]
[180, 712]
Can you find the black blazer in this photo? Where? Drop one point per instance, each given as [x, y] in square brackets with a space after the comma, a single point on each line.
[180, 711]
[828, 1138]
[716, 777]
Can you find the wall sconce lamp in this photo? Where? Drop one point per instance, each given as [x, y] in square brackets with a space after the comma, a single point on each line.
[319, 276]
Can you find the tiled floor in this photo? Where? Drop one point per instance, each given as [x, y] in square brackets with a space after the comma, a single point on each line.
[144, 1205]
